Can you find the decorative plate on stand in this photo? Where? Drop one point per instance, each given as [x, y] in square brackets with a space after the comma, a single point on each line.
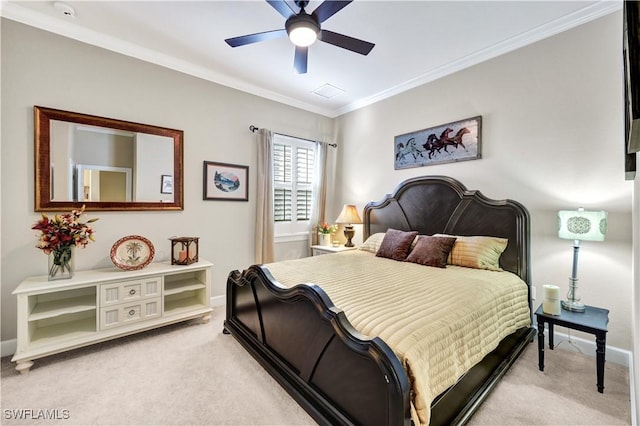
[132, 252]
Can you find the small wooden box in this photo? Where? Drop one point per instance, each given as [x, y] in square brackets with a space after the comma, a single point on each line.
[184, 250]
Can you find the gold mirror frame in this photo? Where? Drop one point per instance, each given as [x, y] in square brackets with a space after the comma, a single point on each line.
[43, 201]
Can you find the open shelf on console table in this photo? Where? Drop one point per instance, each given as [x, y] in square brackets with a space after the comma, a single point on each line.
[56, 316]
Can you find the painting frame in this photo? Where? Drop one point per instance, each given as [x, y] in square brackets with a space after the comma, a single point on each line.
[451, 142]
[166, 184]
[225, 181]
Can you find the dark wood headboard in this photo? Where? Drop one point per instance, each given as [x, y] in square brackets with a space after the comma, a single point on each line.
[441, 204]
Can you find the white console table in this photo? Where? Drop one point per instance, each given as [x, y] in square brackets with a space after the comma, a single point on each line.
[103, 304]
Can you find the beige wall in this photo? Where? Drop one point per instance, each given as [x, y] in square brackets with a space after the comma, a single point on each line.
[551, 139]
[40, 68]
[551, 115]
[552, 132]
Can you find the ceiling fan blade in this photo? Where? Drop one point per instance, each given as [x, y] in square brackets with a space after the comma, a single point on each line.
[355, 45]
[329, 8]
[282, 7]
[300, 60]
[254, 38]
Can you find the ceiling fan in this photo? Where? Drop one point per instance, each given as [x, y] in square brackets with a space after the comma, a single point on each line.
[304, 29]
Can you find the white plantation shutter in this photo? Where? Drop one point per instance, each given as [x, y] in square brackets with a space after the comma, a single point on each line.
[303, 205]
[304, 182]
[282, 205]
[282, 182]
[293, 174]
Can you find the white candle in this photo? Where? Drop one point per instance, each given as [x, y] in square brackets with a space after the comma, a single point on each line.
[551, 299]
[551, 292]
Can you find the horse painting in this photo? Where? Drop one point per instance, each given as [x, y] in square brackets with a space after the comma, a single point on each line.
[434, 144]
[441, 144]
[457, 139]
[402, 151]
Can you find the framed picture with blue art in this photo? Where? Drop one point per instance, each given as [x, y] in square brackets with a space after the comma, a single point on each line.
[223, 181]
[447, 143]
[166, 184]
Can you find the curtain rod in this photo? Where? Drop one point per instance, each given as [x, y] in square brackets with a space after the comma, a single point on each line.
[255, 129]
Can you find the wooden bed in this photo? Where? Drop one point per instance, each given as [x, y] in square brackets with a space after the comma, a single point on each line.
[342, 377]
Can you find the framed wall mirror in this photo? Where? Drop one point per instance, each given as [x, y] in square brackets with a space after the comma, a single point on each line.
[104, 163]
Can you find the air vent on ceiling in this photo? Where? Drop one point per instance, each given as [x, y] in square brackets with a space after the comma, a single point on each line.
[328, 91]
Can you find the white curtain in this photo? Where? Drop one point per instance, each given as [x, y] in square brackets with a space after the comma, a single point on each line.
[265, 249]
[319, 191]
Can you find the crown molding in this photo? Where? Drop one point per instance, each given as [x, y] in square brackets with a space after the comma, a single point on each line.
[32, 18]
[567, 22]
[70, 30]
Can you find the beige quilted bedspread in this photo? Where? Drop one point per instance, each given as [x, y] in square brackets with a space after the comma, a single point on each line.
[439, 322]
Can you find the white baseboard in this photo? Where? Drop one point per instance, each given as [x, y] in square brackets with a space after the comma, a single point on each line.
[218, 300]
[588, 347]
[8, 347]
[613, 354]
[632, 391]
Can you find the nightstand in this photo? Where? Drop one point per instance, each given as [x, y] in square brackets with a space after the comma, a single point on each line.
[592, 320]
[318, 250]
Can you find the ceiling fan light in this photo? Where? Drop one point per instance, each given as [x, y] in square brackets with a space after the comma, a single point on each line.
[302, 29]
[303, 36]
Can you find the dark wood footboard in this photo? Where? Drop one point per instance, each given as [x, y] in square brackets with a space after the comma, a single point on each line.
[336, 374]
[339, 376]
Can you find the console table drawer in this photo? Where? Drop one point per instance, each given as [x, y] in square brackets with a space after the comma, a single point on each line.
[126, 313]
[113, 294]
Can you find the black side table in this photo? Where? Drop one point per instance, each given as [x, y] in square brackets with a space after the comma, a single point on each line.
[592, 320]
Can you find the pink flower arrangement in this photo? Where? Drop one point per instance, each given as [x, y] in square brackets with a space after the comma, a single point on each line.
[63, 231]
[325, 228]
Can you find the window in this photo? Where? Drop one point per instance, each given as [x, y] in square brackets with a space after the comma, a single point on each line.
[293, 170]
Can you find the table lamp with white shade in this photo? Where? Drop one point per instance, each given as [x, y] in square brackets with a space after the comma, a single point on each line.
[348, 217]
[579, 225]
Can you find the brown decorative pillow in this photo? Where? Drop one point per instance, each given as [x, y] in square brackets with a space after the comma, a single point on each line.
[478, 252]
[431, 251]
[396, 244]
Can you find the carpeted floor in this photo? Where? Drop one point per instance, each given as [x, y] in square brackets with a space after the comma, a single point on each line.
[192, 374]
[564, 394]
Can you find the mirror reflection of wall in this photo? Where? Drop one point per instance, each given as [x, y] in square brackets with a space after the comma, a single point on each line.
[108, 152]
[113, 187]
[151, 155]
[103, 183]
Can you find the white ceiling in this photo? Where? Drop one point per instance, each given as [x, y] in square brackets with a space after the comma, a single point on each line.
[416, 41]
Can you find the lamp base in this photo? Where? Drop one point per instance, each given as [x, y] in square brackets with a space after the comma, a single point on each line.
[349, 232]
[568, 305]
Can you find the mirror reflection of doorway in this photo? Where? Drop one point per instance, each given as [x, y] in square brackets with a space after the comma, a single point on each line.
[103, 183]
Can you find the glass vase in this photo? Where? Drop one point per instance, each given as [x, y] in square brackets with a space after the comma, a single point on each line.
[61, 263]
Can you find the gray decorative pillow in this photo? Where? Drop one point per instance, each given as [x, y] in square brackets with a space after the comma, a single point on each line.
[396, 244]
[431, 251]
